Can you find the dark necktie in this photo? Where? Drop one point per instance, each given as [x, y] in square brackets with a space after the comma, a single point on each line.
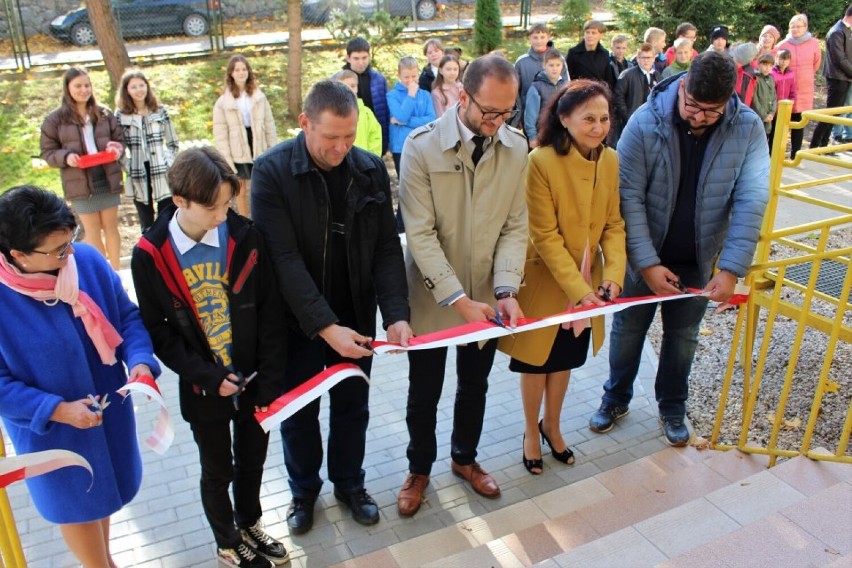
[478, 143]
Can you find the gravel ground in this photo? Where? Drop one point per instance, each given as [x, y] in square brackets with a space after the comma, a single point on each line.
[711, 360]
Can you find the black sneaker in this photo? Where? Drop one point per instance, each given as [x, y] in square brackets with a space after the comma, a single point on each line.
[267, 546]
[675, 432]
[243, 556]
[300, 515]
[364, 509]
[605, 417]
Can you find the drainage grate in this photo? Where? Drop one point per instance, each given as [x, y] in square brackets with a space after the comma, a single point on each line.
[829, 280]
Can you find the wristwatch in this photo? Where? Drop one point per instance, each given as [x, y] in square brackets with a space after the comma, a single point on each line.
[503, 294]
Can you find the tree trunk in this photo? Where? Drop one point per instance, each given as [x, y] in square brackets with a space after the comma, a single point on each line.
[294, 57]
[109, 39]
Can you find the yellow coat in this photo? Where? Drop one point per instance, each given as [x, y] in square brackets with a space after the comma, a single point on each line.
[571, 201]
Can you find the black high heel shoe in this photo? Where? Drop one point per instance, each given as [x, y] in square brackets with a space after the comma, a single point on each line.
[531, 464]
[566, 456]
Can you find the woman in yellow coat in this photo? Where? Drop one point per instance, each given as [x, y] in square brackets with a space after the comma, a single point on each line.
[574, 224]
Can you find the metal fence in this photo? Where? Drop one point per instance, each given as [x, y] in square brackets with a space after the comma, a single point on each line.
[160, 29]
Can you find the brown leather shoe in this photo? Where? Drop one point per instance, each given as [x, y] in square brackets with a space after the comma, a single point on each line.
[411, 494]
[481, 481]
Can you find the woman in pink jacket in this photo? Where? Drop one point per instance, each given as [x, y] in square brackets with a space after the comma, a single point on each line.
[806, 59]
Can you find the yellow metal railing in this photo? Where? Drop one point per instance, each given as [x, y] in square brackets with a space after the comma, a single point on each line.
[11, 553]
[769, 280]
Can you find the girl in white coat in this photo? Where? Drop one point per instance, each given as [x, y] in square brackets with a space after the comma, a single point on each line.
[243, 126]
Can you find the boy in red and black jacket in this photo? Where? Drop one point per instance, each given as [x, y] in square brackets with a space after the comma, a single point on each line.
[208, 296]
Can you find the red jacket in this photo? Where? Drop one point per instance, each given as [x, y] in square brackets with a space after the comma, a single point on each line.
[745, 85]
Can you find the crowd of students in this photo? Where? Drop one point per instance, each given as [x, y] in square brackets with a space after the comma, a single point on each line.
[222, 297]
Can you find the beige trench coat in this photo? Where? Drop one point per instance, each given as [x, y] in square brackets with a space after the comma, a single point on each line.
[464, 232]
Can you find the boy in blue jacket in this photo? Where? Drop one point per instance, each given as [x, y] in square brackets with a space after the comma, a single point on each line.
[208, 296]
[410, 107]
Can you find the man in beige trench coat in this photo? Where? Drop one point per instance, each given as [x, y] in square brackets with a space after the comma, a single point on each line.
[463, 202]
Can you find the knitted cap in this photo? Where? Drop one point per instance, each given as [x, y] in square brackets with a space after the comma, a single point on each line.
[771, 30]
[744, 53]
[719, 31]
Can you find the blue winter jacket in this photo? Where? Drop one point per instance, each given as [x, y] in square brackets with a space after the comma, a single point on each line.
[412, 112]
[733, 185]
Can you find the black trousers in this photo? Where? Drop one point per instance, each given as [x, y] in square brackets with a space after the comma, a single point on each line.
[796, 135]
[425, 382]
[145, 211]
[220, 468]
[837, 90]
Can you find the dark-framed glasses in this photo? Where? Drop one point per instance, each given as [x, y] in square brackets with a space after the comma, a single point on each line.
[494, 114]
[61, 252]
[709, 113]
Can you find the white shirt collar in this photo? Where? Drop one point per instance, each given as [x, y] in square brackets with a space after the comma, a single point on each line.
[184, 243]
[467, 135]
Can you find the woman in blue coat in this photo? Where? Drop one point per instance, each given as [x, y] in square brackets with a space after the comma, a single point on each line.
[69, 326]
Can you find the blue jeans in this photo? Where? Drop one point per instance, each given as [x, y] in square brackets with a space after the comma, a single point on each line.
[349, 414]
[681, 320]
[844, 132]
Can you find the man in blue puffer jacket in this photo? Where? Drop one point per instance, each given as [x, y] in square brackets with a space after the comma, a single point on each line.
[694, 171]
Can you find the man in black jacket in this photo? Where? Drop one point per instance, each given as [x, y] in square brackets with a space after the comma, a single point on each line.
[838, 72]
[589, 59]
[324, 208]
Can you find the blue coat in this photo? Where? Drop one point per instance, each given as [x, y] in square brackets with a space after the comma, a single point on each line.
[46, 357]
[412, 112]
[733, 185]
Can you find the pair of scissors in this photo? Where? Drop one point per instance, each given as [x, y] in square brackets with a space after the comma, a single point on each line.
[241, 385]
[605, 295]
[496, 320]
[677, 284]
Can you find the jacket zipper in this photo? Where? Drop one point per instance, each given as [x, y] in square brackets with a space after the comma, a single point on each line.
[244, 273]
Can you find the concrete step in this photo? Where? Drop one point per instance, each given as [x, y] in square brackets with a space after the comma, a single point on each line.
[480, 540]
[815, 531]
[796, 514]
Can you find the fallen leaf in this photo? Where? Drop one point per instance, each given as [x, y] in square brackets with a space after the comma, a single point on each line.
[705, 331]
[832, 551]
[770, 417]
[700, 443]
[793, 424]
[832, 386]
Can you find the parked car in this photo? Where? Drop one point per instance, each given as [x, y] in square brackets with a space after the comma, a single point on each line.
[139, 18]
[317, 11]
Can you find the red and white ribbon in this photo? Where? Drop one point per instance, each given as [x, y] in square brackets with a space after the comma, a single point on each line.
[16, 468]
[164, 433]
[292, 402]
[287, 405]
[483, 330]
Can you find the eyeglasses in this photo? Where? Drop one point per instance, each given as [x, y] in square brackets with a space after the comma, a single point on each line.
[693, 109]
[61, 252]
[494, 114]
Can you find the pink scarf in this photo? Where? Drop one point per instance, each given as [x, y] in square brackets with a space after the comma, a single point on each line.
[66, 288]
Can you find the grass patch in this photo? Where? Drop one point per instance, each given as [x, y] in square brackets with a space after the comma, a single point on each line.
[188, 88]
